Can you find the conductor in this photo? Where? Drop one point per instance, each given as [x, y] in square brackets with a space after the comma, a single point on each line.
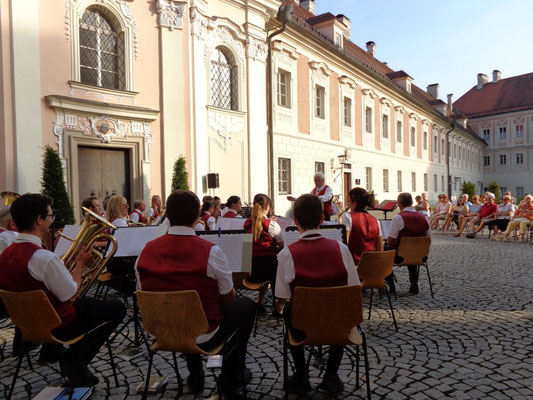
[324, 193]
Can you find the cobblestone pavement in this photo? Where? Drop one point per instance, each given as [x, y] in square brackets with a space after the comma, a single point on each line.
[473, 341]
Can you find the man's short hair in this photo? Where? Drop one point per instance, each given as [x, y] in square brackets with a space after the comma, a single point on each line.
[308, 210]
[5, 216]
[27, 208]
[405, 199]
[320, 175]
[464, 194]
[88, 202]
[137, 203]
[183, 208]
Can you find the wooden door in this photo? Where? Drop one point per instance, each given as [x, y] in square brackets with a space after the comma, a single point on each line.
[347, 187]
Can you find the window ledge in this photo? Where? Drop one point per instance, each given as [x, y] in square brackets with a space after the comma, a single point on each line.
[102, 90]
[225, 110]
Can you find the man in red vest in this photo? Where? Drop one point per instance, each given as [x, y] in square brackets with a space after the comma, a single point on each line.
[26, 266]
[8, 229]
[180, 260]
[313, 261]
[408, 223]
[137, 215]
[324, 193]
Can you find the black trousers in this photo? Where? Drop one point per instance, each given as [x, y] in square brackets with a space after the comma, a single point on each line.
[90, 314]
[298, 355]
[264, 269]
[239, 318]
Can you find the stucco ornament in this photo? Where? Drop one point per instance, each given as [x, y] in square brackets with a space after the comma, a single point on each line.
[105, 128]
[199, 23]
[171, 13]
[226, 126]
[256, 49]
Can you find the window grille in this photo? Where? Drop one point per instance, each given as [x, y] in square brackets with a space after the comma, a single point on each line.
[101, 50]
[284, 79]
[223, 81]
[399, 131]
[284, 175]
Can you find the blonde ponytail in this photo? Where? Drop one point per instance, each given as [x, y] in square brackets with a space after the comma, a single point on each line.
[257, 220]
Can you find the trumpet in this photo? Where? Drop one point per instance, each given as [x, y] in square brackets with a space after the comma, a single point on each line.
[9, 197]
[91, 230]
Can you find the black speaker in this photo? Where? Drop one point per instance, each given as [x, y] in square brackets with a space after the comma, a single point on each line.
[212, 181]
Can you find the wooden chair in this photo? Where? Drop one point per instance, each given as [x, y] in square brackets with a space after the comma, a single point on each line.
[33, 314]
[327, 316]
[373, 268]
[414, 251]
[175, 319]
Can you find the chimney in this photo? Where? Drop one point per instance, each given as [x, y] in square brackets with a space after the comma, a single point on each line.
[433, 90]
[450, 102]
[496, 76]
[481, 80]
[371, 48]
[346, 21]
[309, 5]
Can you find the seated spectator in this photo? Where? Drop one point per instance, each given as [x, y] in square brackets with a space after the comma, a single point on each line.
[465, 200]
[484, 216]
[180, 260]
[459, 210]
[302, 264]
[422, 205]
[463, 219]
[502, 217]
[521, 219]
[441, 210]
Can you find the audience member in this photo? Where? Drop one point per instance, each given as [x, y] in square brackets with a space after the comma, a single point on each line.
[484, 216]
[459, 210]
[502, 217]
[520, 220]
[463, 219]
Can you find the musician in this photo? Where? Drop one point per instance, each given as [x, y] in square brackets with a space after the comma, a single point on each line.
[8, 229]
[25, 266]
[155, 209]
[137, 215]
[267, 239]
[303, 264]
[408, 223]
[324, 193]
[363, 228]
[180, 260]
[117, 211]
[233, 207]
[92, 203]
[218, 207]
[208, 209]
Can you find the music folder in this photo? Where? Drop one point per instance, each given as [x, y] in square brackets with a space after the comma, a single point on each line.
[132, 239]
[236, 245]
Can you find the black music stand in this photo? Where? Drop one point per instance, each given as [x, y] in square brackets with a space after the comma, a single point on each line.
[386, 206]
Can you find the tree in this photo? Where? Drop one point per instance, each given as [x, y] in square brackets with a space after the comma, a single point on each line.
[495, 188]
[53, 185]
[469, 188]
[180, 175]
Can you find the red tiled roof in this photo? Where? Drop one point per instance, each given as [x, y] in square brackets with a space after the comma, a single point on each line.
[510, 94]
[365, 57]
[398, 74]
[320, 18]
[299, 12]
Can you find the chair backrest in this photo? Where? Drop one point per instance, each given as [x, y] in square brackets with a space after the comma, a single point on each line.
[33, 314]
[414, 250]
[175, 319]
[327, 315]
[374, 266]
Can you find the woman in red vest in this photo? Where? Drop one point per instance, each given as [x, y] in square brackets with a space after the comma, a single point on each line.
[267, 241]
[363, 228]
[233, 207]
[208, 209]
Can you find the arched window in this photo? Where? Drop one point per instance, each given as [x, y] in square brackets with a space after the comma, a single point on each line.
[101, 49]
[223, 80]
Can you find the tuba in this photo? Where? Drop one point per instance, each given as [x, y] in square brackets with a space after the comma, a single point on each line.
[9, 197]
[339, 217]
[91, 230]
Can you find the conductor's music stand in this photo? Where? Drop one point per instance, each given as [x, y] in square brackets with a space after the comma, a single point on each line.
[386, 206]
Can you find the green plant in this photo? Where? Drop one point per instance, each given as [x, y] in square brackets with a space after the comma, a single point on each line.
[53, 185]
[495, 188]
[180, 176]
[469, 188]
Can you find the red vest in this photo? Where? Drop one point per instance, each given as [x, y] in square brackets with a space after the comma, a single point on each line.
[415, 224]
[265, 245]
[230, 214]
[365, 230]
[205, 217]
[318, 263]
[142, 218]
[175, 263]
[15, 277]
[328, 209]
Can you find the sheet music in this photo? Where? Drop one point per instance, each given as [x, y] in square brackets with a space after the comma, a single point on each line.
[385, 225]
[292, 236]
[284, 223]
[237, 247]
[230, 224]
[63, 244]
[131, 240]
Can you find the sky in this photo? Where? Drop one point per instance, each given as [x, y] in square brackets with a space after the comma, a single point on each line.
[445, 42]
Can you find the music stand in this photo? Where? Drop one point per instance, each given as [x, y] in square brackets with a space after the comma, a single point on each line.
[386, 206]
[322, 227]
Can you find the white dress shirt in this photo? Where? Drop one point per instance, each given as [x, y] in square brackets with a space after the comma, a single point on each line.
[120, 223]
[134, 217]
[286, 271]
[397, 224]
[327, 196]
[211, 222]
[217, 269]
[6, 239]
[46, 267]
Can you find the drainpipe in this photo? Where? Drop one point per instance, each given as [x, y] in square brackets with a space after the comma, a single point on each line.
[285, 15]
[448, 148]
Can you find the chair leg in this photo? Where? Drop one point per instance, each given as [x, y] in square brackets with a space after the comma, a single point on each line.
[145, 393]
[391, 309]
[367, 373]
[255, 322]
[30, 365]
[429, 280]
[112, 361]
[15, 377]
[310, 356]
[178, 376]
[357, 381]
[285, 363]
[370, 306]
